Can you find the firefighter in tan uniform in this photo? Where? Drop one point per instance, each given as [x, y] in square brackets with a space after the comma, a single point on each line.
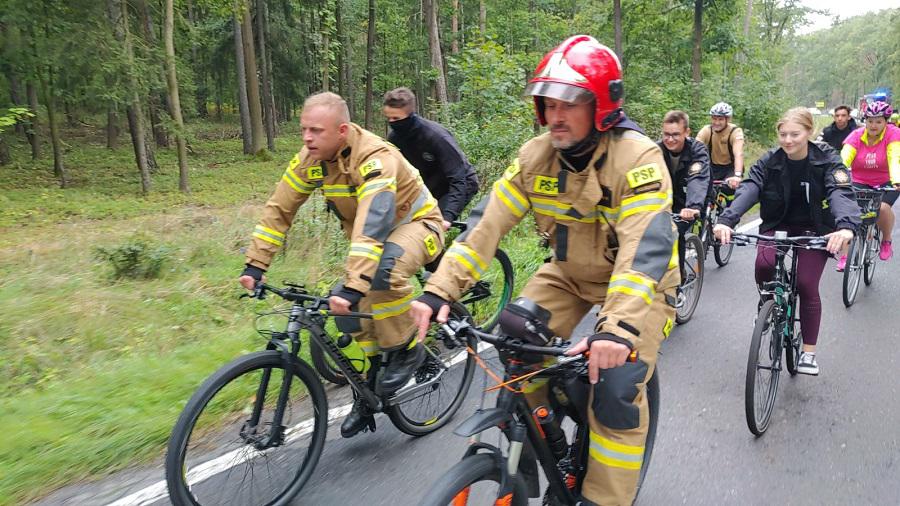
[392, 221]
[725, 141]
[600, 192]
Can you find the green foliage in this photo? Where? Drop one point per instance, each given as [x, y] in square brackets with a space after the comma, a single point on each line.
[139, 257]
[13, 116]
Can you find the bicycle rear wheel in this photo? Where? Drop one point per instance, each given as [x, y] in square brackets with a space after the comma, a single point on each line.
[474, 480]
[487, 297]
[217, 454]
[853, 270]
[439, 385]
[763, 367]
[693, 272]
[873, 244]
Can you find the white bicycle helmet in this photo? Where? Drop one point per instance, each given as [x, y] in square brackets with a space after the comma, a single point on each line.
[721, 109]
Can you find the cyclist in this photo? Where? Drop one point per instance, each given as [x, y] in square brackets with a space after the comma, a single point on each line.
[599, 190]
[725, 141]
[835, 133]
[873, 155]
[688, 162]
[391, 219]
[433, 150]
[803, 190]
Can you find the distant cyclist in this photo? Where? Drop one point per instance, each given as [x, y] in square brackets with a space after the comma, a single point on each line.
[725, 142]
[688, 162]
[873, 155]
[803, 190]
[835, 133]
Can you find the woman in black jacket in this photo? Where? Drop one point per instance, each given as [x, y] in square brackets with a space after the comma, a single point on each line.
[802, 190]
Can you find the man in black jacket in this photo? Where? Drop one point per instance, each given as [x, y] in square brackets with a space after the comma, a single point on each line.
[688, 162]
[835, 133]
[430, 148]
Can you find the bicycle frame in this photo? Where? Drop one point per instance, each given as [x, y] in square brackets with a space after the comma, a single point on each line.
[784, 291]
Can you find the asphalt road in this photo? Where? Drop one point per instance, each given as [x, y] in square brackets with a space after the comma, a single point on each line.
[833, 439]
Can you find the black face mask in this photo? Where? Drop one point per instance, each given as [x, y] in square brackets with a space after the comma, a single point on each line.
[578, 155]
[403, 126]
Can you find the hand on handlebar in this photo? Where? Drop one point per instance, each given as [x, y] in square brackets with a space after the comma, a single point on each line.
[733, 182]
[837, 240]
[689, 214]
[723, 233]
[251, 276]
[423, 313]
[339, 305]
[603, 355]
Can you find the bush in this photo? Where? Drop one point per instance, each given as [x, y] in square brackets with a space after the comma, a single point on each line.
[137, 258]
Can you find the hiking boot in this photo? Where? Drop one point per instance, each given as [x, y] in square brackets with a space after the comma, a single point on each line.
[358, 420]
[400, 369]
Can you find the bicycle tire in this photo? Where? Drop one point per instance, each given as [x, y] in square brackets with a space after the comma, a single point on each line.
[484, 300]
[684, 313]
[653, 408]
[871, 255]
[758, 419]
[853, 271]
[404, 416]
[722, 253]
[458, 480]
[324, 365]
[243, 458]
[792, 351]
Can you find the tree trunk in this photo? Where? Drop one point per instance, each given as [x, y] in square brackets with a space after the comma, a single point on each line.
[243, 105]
[434, 45]
[118, 15]
[257, 131]
[617, 24]
[339, 34]
[5, 157]
[268, 105]
[59, 168]
[370, 65]
[348, 78]
[33, 125]
[482, 18]
[15, 98]
[154, 101]
[454, 29]
[326, 54]
[200, 77]
[112, 127]
[696, 56]
[174, 99]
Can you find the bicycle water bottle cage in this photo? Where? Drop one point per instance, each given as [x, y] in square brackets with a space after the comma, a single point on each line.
[525, 319]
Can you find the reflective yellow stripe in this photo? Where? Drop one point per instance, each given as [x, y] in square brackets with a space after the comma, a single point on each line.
[296, 183]
[370, 348]
[429, 204]
[369, 251]
[673, 260]
[507, 193]
[269, 235]
[392, 308]
[630, 284]
[848, 154]
[644, 202]
[614, 454]
[469, 258]
[375, 185]
[339, 190]
[893, 158]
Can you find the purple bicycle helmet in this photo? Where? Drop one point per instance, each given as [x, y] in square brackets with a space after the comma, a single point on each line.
[878, 108]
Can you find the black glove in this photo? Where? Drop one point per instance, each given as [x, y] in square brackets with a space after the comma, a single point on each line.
[606, 336]
[348, 294]
[254, 272]
[433, 301]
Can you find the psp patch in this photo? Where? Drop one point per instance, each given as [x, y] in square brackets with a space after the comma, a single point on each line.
[315, 172]
[512, 170]
[431, 245]
[645, 174]
[667, 328]
[371, 168]
[295, 161]
[546, 185]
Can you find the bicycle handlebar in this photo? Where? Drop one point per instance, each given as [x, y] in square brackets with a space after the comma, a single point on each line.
[802, 241]
[294, 294]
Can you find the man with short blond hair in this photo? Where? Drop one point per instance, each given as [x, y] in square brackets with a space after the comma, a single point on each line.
[390, 218]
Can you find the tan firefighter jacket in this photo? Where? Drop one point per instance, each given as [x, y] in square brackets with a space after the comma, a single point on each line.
[609, 224]
[370, 187]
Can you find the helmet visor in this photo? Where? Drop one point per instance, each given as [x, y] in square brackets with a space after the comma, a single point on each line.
[559, 91]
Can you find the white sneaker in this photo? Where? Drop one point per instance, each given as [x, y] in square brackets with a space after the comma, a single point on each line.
[808, 364]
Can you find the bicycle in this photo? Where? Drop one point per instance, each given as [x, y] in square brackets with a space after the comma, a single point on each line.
[704, 227]
[863, 251]
[484, 301]
[262, 418]
[692, 282]
[488, 475]
[775, 328]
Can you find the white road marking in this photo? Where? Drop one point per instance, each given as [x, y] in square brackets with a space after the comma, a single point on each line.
[749, 226]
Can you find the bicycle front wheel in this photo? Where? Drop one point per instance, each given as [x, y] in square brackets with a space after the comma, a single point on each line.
[693, 282]
[225, 449]
[491, 293]
[324, 365]
[853, 270]
[763, 367]
[439, 385]
[475, 480]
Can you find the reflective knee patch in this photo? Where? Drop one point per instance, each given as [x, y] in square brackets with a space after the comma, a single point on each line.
[614, 396]
[382, 279]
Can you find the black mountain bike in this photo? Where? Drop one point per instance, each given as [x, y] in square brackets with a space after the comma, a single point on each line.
[692, 283]
[776, 327]
[487, 474]
[484, 301]
[704, 228]
[254, 430]
[863, 252]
